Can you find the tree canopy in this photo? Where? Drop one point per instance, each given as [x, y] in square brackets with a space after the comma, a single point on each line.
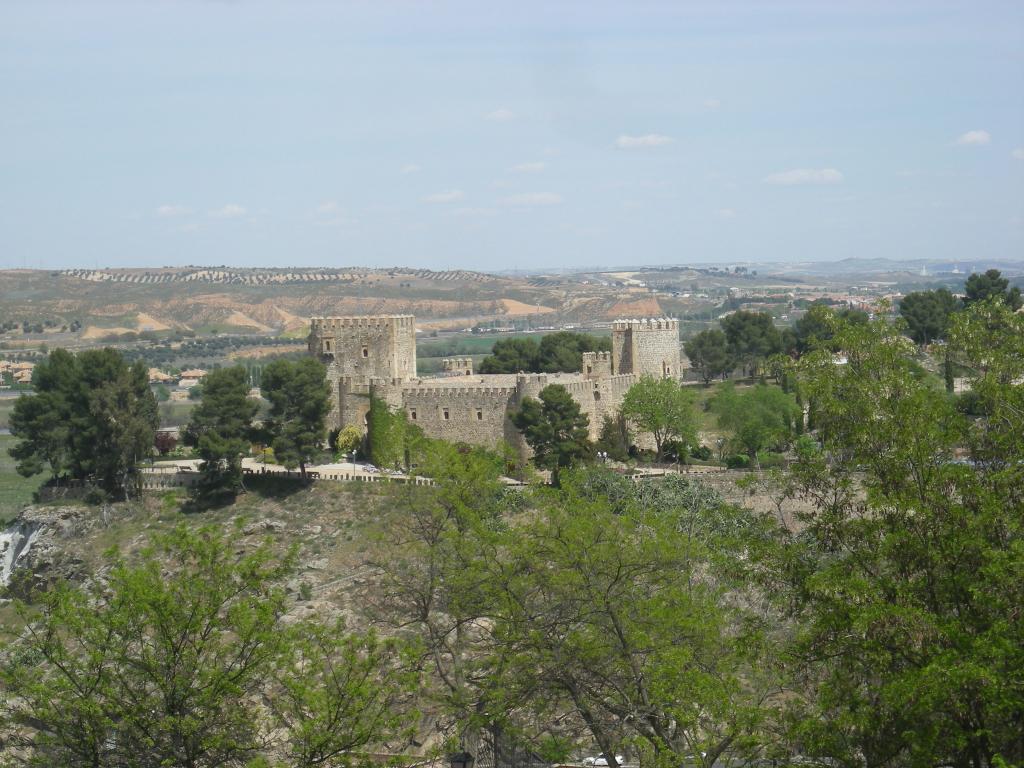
[299, 403]
[980, 287]
[928, 313]
[92, 417]
[556, 352]
[165, 663]
[752, 337]
[554, 428]
[758, 418]
[663, 408]
[221, 430]
[708, 352]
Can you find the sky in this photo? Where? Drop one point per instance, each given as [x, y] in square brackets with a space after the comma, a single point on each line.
[509, 135]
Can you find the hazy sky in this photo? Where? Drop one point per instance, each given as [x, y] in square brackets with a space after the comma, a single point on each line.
[496, 135]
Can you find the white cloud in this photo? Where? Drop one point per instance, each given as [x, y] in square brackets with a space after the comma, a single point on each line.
[533, 198]
[410, 168]
[529, 167]
[1018, 153]
[642, 142]
[501, 115]
[229, 211]
[328, 206]
[725, 213]
[805, 176]
[450, 196]
[474, 212]
[974, 138]
[712, 104]
[170, 211]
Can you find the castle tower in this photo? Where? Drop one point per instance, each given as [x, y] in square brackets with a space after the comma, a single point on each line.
[360, 352]
[382, 346]
[646, 347]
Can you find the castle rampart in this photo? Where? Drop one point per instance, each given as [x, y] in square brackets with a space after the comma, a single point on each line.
[375, 356]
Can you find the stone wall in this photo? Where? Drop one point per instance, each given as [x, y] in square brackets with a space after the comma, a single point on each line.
[646, 347]
[478, 415]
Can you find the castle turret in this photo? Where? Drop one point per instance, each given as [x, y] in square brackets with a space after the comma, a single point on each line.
[647, 347]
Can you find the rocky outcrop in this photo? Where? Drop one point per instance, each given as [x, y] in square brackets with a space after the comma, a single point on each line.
[34, 548]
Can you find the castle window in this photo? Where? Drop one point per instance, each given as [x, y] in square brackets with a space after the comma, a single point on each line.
[597, 395]
[366, 351]
[590, 369]
[479, 415]
[444, 414]
[327, 346]
[412, 414]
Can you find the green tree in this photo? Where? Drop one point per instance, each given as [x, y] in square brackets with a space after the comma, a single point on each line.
[563, 351]
[93, 418]
[299, 403]
[752, 336]
[981, 287]
[759, 418]
[166, 661]
[512, 356]
[554, 428]
[663, 408]
[615, 438]
[906, 578]
[435, 547]
[708, 352]
[624, 612]
[221, 429]
[927, 314]
[815, 326]
[347, 440]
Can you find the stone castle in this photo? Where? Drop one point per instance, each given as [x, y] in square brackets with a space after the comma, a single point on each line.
[377, 355]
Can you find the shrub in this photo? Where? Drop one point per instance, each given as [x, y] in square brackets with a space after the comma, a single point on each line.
[737, 461]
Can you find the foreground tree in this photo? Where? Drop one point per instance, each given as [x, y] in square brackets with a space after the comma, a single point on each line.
[93, 418]
[299, 403]
[708, 352]
[166, 664]
[220, 429]
[435, 549]
[663, 408]
[906, 580]
[621, 611]
[554, 428]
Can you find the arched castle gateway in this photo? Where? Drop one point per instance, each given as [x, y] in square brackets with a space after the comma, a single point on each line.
[377, 354]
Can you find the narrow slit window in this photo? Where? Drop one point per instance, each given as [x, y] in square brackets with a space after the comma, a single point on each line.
[366, 351]
[445, 414]
[479, 415]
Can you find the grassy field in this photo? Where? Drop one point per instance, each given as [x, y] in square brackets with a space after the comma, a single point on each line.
[6, 406]
[15, 490]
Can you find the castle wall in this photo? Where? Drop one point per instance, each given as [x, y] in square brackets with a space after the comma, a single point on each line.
[377, 355]
[470, 414]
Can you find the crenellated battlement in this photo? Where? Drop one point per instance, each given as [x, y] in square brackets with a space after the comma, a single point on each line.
[331, 325]
[454, 394]
[597, 357]
[647, 324]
